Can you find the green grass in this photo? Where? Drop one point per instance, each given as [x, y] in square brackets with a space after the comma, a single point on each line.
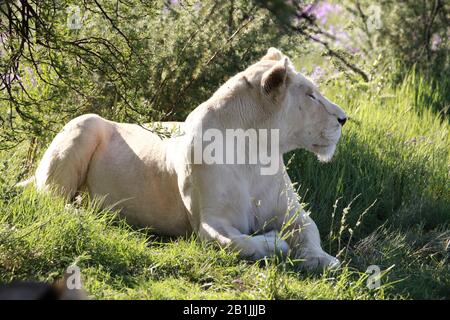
[384, 200]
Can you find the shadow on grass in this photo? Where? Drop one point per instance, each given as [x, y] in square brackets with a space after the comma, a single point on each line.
[412, 205]
[406, 191]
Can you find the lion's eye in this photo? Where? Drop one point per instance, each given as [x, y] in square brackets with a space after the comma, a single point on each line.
[310, 95]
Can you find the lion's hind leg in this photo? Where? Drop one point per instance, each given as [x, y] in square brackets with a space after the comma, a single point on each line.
[64, 165]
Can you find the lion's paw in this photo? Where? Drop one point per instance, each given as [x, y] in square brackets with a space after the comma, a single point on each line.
[321, 261]
[261, 246]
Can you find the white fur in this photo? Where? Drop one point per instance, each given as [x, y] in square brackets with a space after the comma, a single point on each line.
[153, 183]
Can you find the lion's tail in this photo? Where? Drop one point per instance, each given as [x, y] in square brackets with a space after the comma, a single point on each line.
[64, 166]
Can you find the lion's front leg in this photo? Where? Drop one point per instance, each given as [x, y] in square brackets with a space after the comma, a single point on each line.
[304, 239]
[303, 235]
[249, 247]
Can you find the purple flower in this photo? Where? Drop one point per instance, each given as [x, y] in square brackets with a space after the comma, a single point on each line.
[197, 6]
[317, 73]
[352, 49]
[30, 73]
[321, 10]
[342, 38]
[8, 78]
[167, 5]
[307, 8]
[340, 34]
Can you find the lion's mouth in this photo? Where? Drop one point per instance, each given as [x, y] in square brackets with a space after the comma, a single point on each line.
[324, 152]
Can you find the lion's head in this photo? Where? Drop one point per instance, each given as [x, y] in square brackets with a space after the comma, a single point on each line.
[272, 94]
[305, 117]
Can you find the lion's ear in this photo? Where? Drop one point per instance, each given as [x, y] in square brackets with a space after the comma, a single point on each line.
[273, 54]
[273, 81]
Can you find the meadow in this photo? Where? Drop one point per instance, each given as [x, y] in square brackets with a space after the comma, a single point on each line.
[384, 200]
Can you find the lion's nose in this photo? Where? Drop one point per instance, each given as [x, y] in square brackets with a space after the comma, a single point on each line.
[342, 121]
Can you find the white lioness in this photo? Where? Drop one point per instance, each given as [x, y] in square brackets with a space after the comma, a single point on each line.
[154, 184]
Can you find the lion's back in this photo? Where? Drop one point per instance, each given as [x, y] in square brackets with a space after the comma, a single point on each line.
[130, 172]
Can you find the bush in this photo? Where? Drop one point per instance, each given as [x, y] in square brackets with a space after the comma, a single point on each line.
[132, 61]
